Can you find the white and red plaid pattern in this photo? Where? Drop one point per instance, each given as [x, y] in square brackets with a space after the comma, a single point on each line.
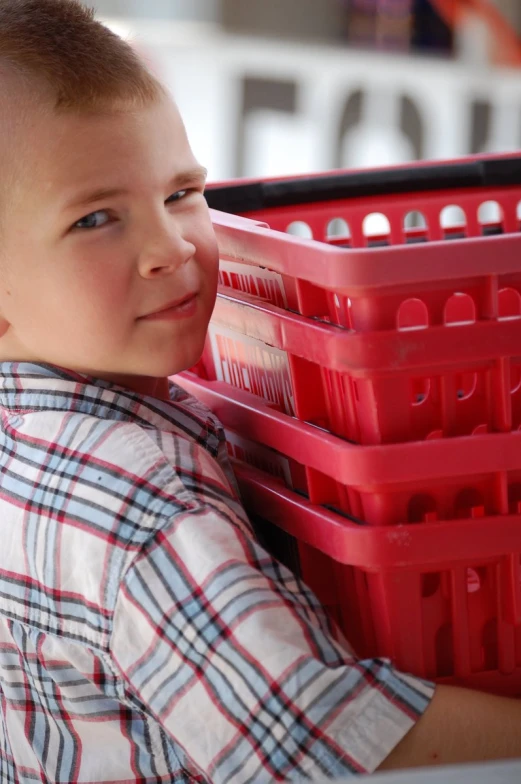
[145, 636]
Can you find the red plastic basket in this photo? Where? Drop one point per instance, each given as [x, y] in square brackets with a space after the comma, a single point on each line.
[431, 329]
[433, 578]
[378, 387]
[366, 284]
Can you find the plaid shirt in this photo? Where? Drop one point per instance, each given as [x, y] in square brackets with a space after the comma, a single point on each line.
[145, 636]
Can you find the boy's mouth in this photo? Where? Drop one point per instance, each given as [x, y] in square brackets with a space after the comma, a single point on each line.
[179, 308]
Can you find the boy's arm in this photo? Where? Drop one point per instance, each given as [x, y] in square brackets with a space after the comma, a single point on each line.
[460, 726]
[221, 646]
[225, 649]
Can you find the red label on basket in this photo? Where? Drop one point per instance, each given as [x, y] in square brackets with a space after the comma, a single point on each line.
[251, 365]
[259, 456]
[257, 281]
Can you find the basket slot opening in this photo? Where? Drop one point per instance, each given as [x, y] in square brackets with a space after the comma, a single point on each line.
[300, 229]
[420, 390]
[430, 584]
[412, 314]
[376, 229]
[469, 503]
[509, 303]
[466, 384]
[460, 309]
[421, 509]
[474, 581]
[338, 229]
[515, 378]
[514, 498]
[491, 218]
[415, 227]
[453, 222]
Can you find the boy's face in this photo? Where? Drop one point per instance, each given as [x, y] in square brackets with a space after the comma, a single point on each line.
[82, 273]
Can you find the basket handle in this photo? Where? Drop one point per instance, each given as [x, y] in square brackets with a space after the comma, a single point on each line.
[478, 171]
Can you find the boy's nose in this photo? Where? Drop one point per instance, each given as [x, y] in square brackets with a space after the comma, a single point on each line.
[165, 253]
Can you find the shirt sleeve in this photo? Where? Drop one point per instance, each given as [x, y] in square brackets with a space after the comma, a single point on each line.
[226, 649]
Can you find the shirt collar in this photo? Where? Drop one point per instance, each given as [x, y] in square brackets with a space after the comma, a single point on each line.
[31, 387]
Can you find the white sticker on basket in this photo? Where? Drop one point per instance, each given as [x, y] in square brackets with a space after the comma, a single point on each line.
[249, 364]
[259, 456]
[258, 281]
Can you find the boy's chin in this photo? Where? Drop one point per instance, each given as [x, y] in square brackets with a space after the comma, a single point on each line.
[166, 367]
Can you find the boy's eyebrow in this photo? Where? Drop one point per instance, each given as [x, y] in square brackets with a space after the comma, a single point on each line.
[197, 175]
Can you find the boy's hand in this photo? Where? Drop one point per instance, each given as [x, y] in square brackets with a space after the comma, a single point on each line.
[460, 726]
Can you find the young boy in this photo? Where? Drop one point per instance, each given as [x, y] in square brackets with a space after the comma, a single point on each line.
[144, 634]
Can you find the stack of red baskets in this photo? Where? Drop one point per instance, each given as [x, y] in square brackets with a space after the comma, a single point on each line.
[370, 387]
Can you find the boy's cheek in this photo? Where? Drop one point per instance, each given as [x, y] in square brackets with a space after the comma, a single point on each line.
[210, 259]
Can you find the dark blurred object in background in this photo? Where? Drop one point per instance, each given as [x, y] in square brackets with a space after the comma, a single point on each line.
[397, 25]
[383, 24]
[430, 33]
[321, 21]
[388, 25]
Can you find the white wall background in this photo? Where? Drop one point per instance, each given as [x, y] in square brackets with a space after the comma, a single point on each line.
[207, 71]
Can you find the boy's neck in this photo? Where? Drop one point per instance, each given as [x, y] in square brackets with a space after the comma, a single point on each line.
[147, 386]
[144, 385]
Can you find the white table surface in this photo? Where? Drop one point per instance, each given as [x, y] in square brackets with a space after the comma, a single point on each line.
[485, 773]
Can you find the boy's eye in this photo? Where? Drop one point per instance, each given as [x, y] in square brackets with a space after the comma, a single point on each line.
[92, 221]
[96, 220]
[177, 196]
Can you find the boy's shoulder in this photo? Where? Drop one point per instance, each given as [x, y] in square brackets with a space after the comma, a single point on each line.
[138, 450]
[98, 478]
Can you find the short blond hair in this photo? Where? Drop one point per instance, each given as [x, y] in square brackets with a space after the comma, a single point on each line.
[85, 65]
